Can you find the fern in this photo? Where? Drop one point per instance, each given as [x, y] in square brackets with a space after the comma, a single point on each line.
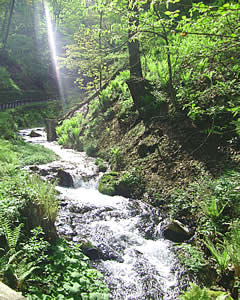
[232, 245]
[11, 235]
[212, 208]
[195, 292]
[221, 255]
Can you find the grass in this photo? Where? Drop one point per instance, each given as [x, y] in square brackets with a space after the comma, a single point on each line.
[31, 262]
[20, 153]
[47, 196]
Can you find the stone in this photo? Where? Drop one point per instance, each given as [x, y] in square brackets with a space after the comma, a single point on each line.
[107, 184]
[175, 231]
[6, 293]
[34, 134]
[51, 129]
[65, 179]
[93, 253]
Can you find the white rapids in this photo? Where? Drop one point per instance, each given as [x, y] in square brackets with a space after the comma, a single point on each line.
[137, 262]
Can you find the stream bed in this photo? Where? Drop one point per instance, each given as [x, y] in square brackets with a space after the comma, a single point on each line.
[125, 234]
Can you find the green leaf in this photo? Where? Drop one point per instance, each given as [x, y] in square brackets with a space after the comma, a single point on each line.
[76, 288]
[168, 13]
[75, 274]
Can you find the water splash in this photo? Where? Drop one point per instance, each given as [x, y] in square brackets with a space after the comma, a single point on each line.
[137, 263]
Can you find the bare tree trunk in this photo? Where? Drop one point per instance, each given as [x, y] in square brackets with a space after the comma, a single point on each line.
[100, 48]
[133, 45]
[172, 90]
[140, 88]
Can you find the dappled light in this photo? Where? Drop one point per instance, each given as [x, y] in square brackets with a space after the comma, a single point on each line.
[53, 50]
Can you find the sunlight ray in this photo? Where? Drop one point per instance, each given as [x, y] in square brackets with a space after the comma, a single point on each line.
[52, 46]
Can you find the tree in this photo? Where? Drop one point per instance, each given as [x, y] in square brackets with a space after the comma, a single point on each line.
[8, 23]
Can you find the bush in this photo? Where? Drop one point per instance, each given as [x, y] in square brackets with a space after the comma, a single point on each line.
[196, 292]
[130, 184]
[101, 165]
[69, 132]
[8, 128]
[67, 274]
[33, 115]
[91, 149]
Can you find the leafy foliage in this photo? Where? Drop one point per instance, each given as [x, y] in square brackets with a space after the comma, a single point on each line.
[197, 292]
[69, 132]
[6, 82]
[192, 257]
[28, 262]
[66, 275]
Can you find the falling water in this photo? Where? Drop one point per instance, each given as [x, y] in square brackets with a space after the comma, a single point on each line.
[127, 246]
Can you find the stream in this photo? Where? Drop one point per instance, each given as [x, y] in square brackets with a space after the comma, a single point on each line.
[125, 234]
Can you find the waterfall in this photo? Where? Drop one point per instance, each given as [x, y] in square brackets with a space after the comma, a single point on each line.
[126, 246]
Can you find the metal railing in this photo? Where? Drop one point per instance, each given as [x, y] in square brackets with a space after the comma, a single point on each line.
[14, 104]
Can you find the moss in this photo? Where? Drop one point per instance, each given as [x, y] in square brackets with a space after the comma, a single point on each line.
[102, 167]
[107, 184]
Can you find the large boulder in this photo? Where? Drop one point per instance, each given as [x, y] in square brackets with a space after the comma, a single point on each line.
[64, 178]
[175, 231]
[108, 182]
[8, 294]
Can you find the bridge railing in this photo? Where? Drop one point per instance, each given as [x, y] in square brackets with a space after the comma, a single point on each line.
[14, 104]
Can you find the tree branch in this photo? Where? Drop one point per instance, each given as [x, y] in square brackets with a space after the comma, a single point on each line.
[90, 98]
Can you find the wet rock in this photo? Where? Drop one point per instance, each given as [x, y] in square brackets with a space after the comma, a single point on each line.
[7, 293]
[66, 231]
[34, 168]
[43, 172]
[93, 253]
[64, 178]
[34, 134]
[175, 231]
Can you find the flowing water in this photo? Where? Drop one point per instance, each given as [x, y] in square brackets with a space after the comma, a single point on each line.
[127, 246]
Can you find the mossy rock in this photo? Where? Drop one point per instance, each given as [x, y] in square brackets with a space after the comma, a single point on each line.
[108, 182]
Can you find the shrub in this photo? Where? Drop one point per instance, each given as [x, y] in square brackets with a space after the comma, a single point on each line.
[101, 165]
[8, 128]
[109, 114]
[130, 184]
[47, 196]
[231, 244]
[196, 292]
[69, 132]
[91, 149]
[192, 257]
[220, 254]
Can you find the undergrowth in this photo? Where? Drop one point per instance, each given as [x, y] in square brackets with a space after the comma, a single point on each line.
[32, 259]
[213, 255]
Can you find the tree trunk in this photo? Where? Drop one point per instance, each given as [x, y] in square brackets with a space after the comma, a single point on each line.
[8, 24]
[4, 22]
[100, 49]
[140, 88]
[133, 45]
